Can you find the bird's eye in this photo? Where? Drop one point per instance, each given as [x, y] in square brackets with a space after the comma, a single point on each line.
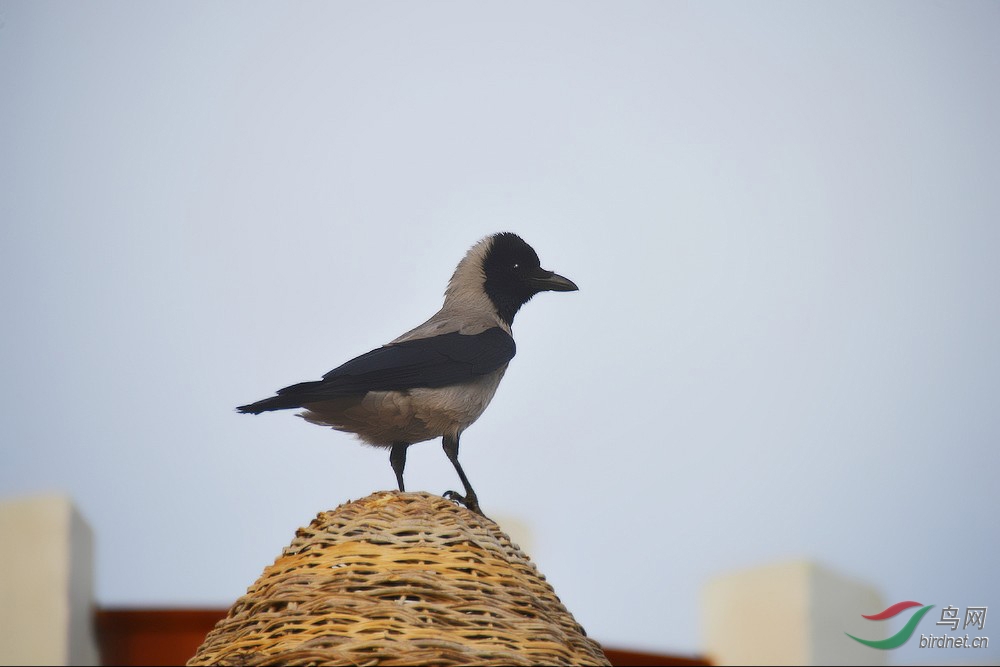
[516, 265]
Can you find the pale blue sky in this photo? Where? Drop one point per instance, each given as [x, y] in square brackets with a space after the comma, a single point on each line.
[784, 219]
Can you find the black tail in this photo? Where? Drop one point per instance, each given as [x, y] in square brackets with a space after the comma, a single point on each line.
[268, 404]
[290, 397]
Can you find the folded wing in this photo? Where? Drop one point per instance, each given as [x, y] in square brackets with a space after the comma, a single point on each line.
[438, 361]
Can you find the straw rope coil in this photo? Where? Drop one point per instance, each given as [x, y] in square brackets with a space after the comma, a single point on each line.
[400, 579]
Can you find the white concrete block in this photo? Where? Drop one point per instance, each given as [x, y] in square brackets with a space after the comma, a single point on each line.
[792, 613]
[46, 584]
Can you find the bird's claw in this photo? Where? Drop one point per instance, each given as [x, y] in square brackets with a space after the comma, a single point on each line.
[470, 501]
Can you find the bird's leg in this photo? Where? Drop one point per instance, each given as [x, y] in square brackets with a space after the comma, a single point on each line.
[397, 457]
[469, 499]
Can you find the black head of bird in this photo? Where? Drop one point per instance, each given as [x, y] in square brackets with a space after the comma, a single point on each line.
[436, 379]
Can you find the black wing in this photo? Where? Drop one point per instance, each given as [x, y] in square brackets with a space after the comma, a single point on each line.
[424, 362]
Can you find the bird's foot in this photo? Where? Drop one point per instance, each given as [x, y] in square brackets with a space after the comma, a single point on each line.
[470, 501]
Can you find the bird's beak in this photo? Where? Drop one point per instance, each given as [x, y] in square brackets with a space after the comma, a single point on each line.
[548, 281]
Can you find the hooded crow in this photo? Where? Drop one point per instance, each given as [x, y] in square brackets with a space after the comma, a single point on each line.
[437, 379]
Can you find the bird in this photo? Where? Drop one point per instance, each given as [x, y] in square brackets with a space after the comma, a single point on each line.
[435, 380]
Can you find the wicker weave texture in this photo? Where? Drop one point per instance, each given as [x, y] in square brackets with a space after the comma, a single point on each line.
[400, 579]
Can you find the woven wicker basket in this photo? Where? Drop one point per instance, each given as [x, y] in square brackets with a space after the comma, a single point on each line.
[400, 579]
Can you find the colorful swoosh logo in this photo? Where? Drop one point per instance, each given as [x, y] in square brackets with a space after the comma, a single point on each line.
[892, 611]
[903, 635]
